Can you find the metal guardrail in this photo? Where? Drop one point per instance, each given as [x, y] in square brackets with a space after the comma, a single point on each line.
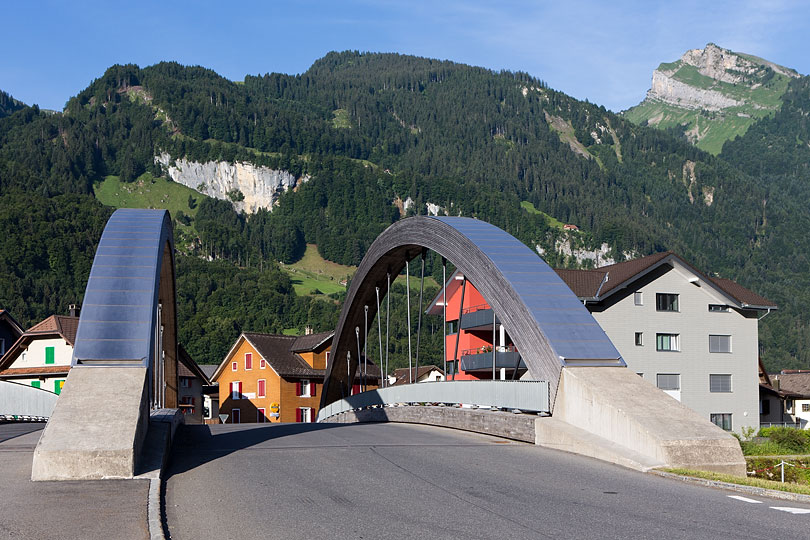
[21, 401]
[523, 395]
[799, 424]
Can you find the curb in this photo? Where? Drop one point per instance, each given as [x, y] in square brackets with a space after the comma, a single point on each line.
[153, 513]
[750, 490]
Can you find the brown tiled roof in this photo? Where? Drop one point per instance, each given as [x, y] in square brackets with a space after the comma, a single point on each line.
[741, 294]
[44, 370]
[63, 325]
[797, 382]
[15, 326]
[311, 342]
[586, 283]
[276, 350]
[187, 367]
[402, 373]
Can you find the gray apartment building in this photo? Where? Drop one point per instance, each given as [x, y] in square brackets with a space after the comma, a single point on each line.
[693, 336]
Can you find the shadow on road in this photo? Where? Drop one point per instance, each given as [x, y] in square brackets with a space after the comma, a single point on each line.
[196, 445]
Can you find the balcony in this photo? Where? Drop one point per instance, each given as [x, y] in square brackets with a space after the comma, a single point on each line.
[481, 358]
[478, 318]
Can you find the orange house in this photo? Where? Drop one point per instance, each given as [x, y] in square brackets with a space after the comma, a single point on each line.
[273, 378]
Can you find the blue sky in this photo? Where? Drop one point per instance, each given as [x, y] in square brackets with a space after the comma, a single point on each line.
[603, 51]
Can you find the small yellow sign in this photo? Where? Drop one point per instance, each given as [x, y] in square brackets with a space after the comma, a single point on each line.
[274, 407]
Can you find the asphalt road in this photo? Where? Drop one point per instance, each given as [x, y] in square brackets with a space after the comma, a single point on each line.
[405, 481]
[94, 510]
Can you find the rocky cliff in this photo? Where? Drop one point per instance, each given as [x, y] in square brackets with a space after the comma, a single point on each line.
[712, 94]
[245, 185]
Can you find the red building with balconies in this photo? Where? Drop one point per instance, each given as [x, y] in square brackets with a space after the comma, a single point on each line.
[477, 346]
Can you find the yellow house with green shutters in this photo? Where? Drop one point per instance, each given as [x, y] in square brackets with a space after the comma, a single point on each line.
[41, 356]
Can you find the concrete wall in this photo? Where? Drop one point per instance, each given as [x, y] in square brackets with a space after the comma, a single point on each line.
[89, 435]
[519, 427]
[621, 319]
[622, 409]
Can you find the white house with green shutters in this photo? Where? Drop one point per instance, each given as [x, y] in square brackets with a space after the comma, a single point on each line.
[41, 356]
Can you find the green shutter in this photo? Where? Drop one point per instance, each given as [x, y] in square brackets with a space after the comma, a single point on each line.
[35, 384]
[49, 355]
[57, 386]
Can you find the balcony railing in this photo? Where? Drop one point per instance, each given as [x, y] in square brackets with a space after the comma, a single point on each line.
[487, 349]
[473, 309]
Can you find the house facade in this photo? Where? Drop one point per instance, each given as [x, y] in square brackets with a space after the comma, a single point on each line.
[422, 374]
[695, 337]
[41, 356]
[793, 386]
[10, 331]
[191, 381]
[275, 378]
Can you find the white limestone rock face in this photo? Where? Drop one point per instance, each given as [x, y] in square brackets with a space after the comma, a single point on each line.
[260, 186]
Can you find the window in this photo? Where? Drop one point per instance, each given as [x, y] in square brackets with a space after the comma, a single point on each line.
[35, 384]
[452, 327]
[187, 400]
[49, 355]
[805, 407]
[57, 386]
[720, 344]
[719, 383]
[722, 420]
[236, 416]
[262, 363]
[666, 302]
[234, 366]
[261, 416]
[668, 381]
[718, 308]
[260, 389]
[185, 382]
[303, 388]
[327, 358]
[765, 407]
[789, 406]
[667, 342]
[638, 298]
[639, 339]
[303, 414]
[2, 346]
[236, 390]
[248, 361]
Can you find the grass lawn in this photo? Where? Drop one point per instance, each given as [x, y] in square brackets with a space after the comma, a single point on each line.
[148, 192]
[529, 207]
[754, 482]
[313, 272]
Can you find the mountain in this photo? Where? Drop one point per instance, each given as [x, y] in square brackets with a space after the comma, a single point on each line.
[712, 95]
[359, 141]
[8, 104]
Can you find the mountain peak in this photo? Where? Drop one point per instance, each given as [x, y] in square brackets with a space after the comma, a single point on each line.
[713, 94]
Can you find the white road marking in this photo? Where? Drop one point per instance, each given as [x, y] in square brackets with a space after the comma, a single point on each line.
[792, 510]
[744, 499]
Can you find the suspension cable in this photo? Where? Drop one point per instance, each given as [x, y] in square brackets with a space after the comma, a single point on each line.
[444, 315]
[387, 325]
[365, 351]
[456, 360]
[493, 342]
[408, 292]
[379, 335]
[419, 323]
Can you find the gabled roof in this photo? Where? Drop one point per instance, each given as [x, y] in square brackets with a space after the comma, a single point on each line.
[796, 382]
[600, 283]
[33, 371]
[54, 326]
[12, 322]
[311, 342]
[187, 367]
[401, 374]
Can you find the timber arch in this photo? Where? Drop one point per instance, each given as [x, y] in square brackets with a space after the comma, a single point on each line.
[127, 341]
[548, 324]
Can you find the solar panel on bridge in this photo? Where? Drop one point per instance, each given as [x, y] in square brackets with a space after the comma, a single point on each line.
[117, 317]
[571, 330]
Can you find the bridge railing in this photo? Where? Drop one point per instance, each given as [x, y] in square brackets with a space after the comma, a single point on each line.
[24, 401]
[523, 395]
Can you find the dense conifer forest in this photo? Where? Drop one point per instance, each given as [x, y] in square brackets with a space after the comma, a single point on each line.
[371, 130]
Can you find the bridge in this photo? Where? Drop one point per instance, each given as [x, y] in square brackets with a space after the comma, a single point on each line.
[589, 403]
[383, 454]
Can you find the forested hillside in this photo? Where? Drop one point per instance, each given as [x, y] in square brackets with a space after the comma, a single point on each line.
[372, 130]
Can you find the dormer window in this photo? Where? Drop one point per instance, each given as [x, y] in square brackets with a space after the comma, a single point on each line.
[720, 308]
[666, 302]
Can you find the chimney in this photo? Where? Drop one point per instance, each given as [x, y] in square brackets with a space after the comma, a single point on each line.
[307, 330]
[73, 310]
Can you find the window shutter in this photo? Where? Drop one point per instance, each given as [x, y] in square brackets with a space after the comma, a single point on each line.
[297, 415]
[240, 389]
[231, 389]
[298, 391]
[312, 386]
